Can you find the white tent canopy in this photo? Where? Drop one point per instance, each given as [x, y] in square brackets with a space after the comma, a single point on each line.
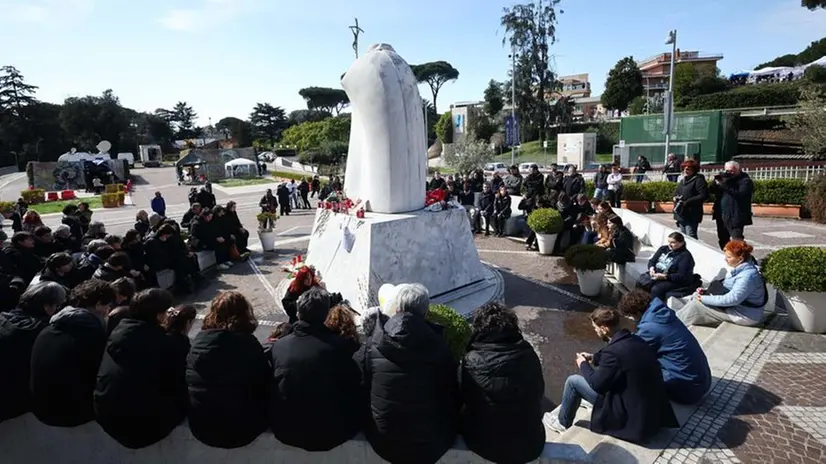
[241, 167]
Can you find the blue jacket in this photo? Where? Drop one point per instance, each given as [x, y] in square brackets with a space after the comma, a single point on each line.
[746, 295]
[683, 362]
[680, 264]
[159, 205]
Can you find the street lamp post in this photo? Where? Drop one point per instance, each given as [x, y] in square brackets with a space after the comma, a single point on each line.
[668, 112]
[514, 129]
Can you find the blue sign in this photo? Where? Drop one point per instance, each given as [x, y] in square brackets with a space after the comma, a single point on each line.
[511, 131]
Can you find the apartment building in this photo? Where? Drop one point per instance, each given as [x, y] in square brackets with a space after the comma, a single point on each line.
[656, 69]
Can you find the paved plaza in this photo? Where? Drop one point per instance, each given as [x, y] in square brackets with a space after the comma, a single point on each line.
[769, 407]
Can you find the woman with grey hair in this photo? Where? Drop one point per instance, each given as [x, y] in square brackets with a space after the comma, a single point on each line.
[411, 376]
[502, 390]
[18, 330]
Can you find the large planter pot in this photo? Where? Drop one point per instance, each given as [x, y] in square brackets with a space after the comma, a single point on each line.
[707, 207]
[637, 206]
[545, 243]
[783, 211]
[590, 282]
[807, 310]
[663, 207]
[267, 240]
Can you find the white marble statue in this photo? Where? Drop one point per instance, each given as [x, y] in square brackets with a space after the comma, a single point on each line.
[387, 159]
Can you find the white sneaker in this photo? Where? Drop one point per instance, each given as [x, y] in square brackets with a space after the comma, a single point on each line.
[586, 404]
[551, 421]
[224, 266]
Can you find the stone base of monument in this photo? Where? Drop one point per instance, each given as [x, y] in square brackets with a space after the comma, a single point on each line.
[357, 256]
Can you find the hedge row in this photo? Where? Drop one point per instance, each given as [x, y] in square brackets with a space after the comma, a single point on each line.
[749, 96]
[766, 192]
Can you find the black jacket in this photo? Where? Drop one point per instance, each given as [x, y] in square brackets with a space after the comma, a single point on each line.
[45, 249]
[622, 246]
[142, 227]
[694, 192]
[158, 253]
[502, 389]
[554, 183]
[186, 221]
[204, 234]
[141, 393]
[18, 331]
[632, 404]
[107, 274]
[486, 202]
[65, 361]
[70, 244]
[206, 199]
[680, 264]
[232, 221]
[410, 376]
[268, 204]
[732, 200]
[466, 198]
[314, 397]
[436, 183]
[75, 227]
[22, 262]
[70, 280]
[137, 255]
[573, 185]
[502, 206]
[534, 185]
[89, 263]
[228, 376]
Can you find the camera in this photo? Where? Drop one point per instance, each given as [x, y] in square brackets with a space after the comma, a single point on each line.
[722, 176]
[678, 204]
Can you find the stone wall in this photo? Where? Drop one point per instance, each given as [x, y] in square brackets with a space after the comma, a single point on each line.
[64, 175]
[25, 440]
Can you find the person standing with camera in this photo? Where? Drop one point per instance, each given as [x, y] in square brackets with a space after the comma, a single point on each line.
[733, 190]
[691, 192]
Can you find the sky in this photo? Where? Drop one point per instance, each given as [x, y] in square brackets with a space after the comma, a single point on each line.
[224, 56]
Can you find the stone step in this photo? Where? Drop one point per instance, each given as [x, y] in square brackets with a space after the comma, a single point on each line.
[702, 333]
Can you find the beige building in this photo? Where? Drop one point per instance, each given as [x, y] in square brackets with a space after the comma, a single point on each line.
[574, 86]
[656, 69]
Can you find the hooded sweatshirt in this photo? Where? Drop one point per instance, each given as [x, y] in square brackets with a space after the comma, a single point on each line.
[684, 365]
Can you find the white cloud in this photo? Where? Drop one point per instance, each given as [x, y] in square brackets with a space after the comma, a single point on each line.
[46, 11]
[207, 15]
[791, 19]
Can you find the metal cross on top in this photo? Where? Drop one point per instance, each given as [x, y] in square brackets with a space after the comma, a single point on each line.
[356, 30]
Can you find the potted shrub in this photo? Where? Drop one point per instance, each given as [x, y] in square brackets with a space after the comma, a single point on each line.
[120, 197]
[266, 230]
[800, 275]
[634, 198]
[589, 263]
[33, 196]
[661, 195]
[547, 223]
[457, 330]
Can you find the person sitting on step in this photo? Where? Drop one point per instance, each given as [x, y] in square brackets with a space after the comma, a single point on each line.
[670, 270]
[622, 382]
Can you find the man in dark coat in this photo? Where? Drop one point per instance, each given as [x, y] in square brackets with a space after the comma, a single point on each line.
[689, 196]
[66, 357]
[484, 208]
[573, 184]
[534, 188]
[733, 191]
[193, 212]
[410, 375]
[283, 194]
[314, 397]
[502, 389]
[19, 329]
[21, 259]
[206, 198]
[626, 389]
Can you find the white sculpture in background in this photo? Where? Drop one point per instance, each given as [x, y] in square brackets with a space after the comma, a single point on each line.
[387, 157]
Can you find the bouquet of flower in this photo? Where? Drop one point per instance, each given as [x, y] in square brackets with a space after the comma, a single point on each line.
[293, 266]
[266, 221]
[338, 203]
[435, 196]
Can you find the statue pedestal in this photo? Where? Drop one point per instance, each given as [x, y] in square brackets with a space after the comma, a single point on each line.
[357, 256]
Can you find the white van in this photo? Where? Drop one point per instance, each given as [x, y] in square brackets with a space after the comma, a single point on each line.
[129, 157]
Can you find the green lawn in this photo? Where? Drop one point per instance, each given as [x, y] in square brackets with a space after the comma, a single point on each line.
[532, 152]
[243, 181]
[57, 206]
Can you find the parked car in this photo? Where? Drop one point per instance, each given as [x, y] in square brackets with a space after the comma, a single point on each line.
[525, 168]
[491, 168]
